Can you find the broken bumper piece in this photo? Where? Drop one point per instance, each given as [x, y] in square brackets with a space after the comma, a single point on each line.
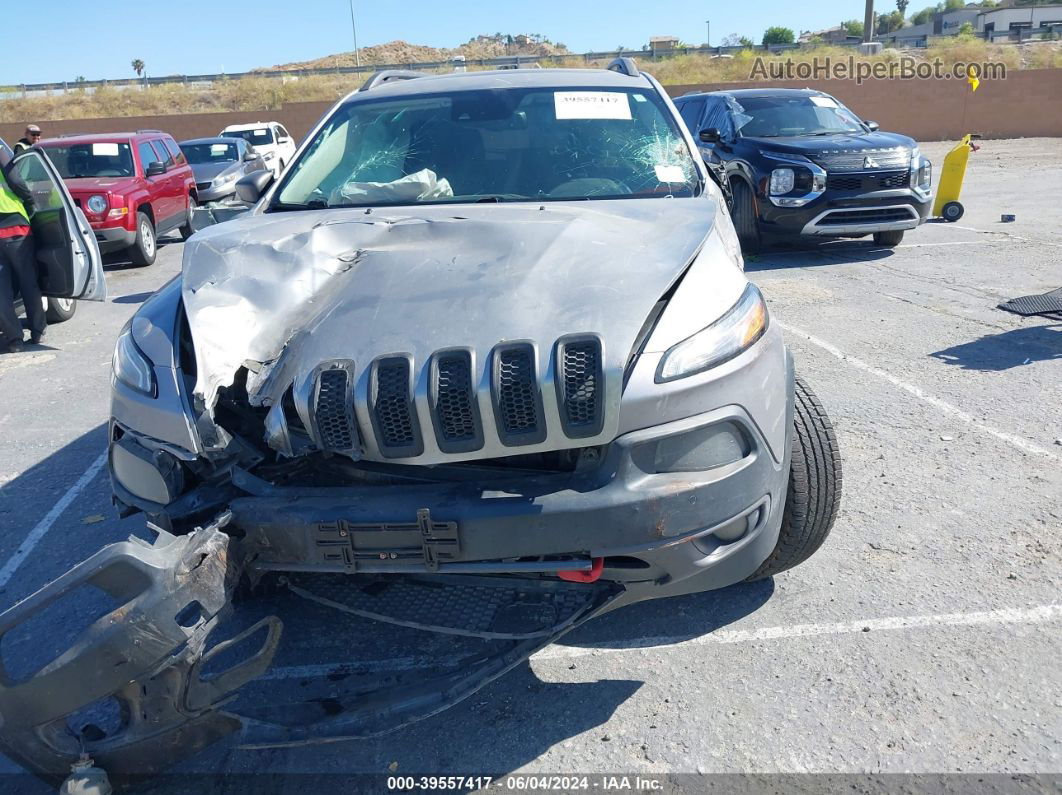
[139, 663]
[151, 663]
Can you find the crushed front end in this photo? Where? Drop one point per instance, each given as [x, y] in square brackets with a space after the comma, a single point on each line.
[444, 476]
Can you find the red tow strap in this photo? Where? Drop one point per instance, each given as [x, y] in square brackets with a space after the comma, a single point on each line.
[593, 575]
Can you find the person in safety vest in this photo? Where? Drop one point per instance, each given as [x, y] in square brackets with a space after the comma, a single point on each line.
[18, 266]
[32, 136]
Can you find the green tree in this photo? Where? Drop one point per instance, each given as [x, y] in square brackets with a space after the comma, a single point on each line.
[901, 6]
[966, 30]
[138, 66]
[923, 16]
[887, 23]
[778, 35]
[853, 27]
[734, 40]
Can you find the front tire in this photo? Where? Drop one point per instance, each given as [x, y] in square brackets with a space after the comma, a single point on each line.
[145, 249]
[186, 230]
[746, 224]
[814, 494]
[59, 310]
[889, 239]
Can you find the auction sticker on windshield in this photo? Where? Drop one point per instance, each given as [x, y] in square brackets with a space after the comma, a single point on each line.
[591, 105]
[105, 150]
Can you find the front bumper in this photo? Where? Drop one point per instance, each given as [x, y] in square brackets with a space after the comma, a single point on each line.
[844, 213]
[656, 532]
[115, 238]
[214, 194]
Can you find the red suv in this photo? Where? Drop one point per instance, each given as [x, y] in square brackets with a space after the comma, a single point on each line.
[132, 187]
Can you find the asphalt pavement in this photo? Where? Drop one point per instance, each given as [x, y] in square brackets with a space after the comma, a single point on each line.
[923, 638]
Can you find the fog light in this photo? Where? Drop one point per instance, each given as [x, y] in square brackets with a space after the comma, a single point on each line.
[154, 476]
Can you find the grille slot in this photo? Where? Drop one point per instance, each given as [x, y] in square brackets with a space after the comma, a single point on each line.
[900, 179]
[394, 419]
[517, 400]
[844, 183]
[894, 179]
[580, 386]
[454, 407]
[332, 413]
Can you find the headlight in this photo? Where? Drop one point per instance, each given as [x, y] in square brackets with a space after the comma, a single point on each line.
[922, 176]
[97, 204]
[225, 179]
[130, 366]
[733, 333]
[783, 180]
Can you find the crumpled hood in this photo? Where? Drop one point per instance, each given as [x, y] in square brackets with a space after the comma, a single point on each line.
[293, 290]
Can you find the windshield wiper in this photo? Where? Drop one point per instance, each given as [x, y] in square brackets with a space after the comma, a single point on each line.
[284, 207]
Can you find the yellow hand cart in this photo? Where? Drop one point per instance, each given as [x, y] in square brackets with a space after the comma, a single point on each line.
[947, 205]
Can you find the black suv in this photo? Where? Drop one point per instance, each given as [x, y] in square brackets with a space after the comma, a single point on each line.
[799, 163]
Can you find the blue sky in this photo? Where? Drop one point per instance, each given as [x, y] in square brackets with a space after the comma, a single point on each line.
[99, 39]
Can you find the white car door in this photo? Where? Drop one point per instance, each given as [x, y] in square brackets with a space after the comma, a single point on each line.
[68, 257]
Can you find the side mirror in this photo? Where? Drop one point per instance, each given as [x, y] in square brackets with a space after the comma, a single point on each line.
[249, 189]
[155, 169]
[873, 125]
[284, 140]
[710, 136]
[250, 156]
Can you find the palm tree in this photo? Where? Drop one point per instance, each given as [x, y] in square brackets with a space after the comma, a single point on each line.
[138, 66]
[901, 6]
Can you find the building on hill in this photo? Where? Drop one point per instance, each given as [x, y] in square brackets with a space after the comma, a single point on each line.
[663, 43]
[835, 35]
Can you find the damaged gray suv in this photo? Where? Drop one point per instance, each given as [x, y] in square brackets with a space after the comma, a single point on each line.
[484, 363]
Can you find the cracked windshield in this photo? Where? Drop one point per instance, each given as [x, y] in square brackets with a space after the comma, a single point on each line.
[493, 146]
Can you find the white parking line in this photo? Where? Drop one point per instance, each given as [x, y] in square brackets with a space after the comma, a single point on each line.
[921, 394]
[949, 243]
[1016, 615]
[45, 524]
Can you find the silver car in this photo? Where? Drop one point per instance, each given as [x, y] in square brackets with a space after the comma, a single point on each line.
[484, 363]
[218, 163]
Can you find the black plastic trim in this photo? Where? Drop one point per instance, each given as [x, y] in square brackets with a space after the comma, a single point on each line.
[395, 451]
[522, 438]
[560, 382]
[455, 445]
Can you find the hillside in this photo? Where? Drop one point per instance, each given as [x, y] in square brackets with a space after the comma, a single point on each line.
[401, 52]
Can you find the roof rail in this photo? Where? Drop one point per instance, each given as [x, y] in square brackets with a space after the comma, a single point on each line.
[143, 132]
[625, 66]
[387, 75]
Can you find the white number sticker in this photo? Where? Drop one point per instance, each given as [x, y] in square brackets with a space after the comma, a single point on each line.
[592, 105]
[105, 150]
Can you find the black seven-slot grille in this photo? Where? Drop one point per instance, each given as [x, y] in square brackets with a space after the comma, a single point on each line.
[453, 400]
[335, 426]
[394, 418]
[579, 385]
